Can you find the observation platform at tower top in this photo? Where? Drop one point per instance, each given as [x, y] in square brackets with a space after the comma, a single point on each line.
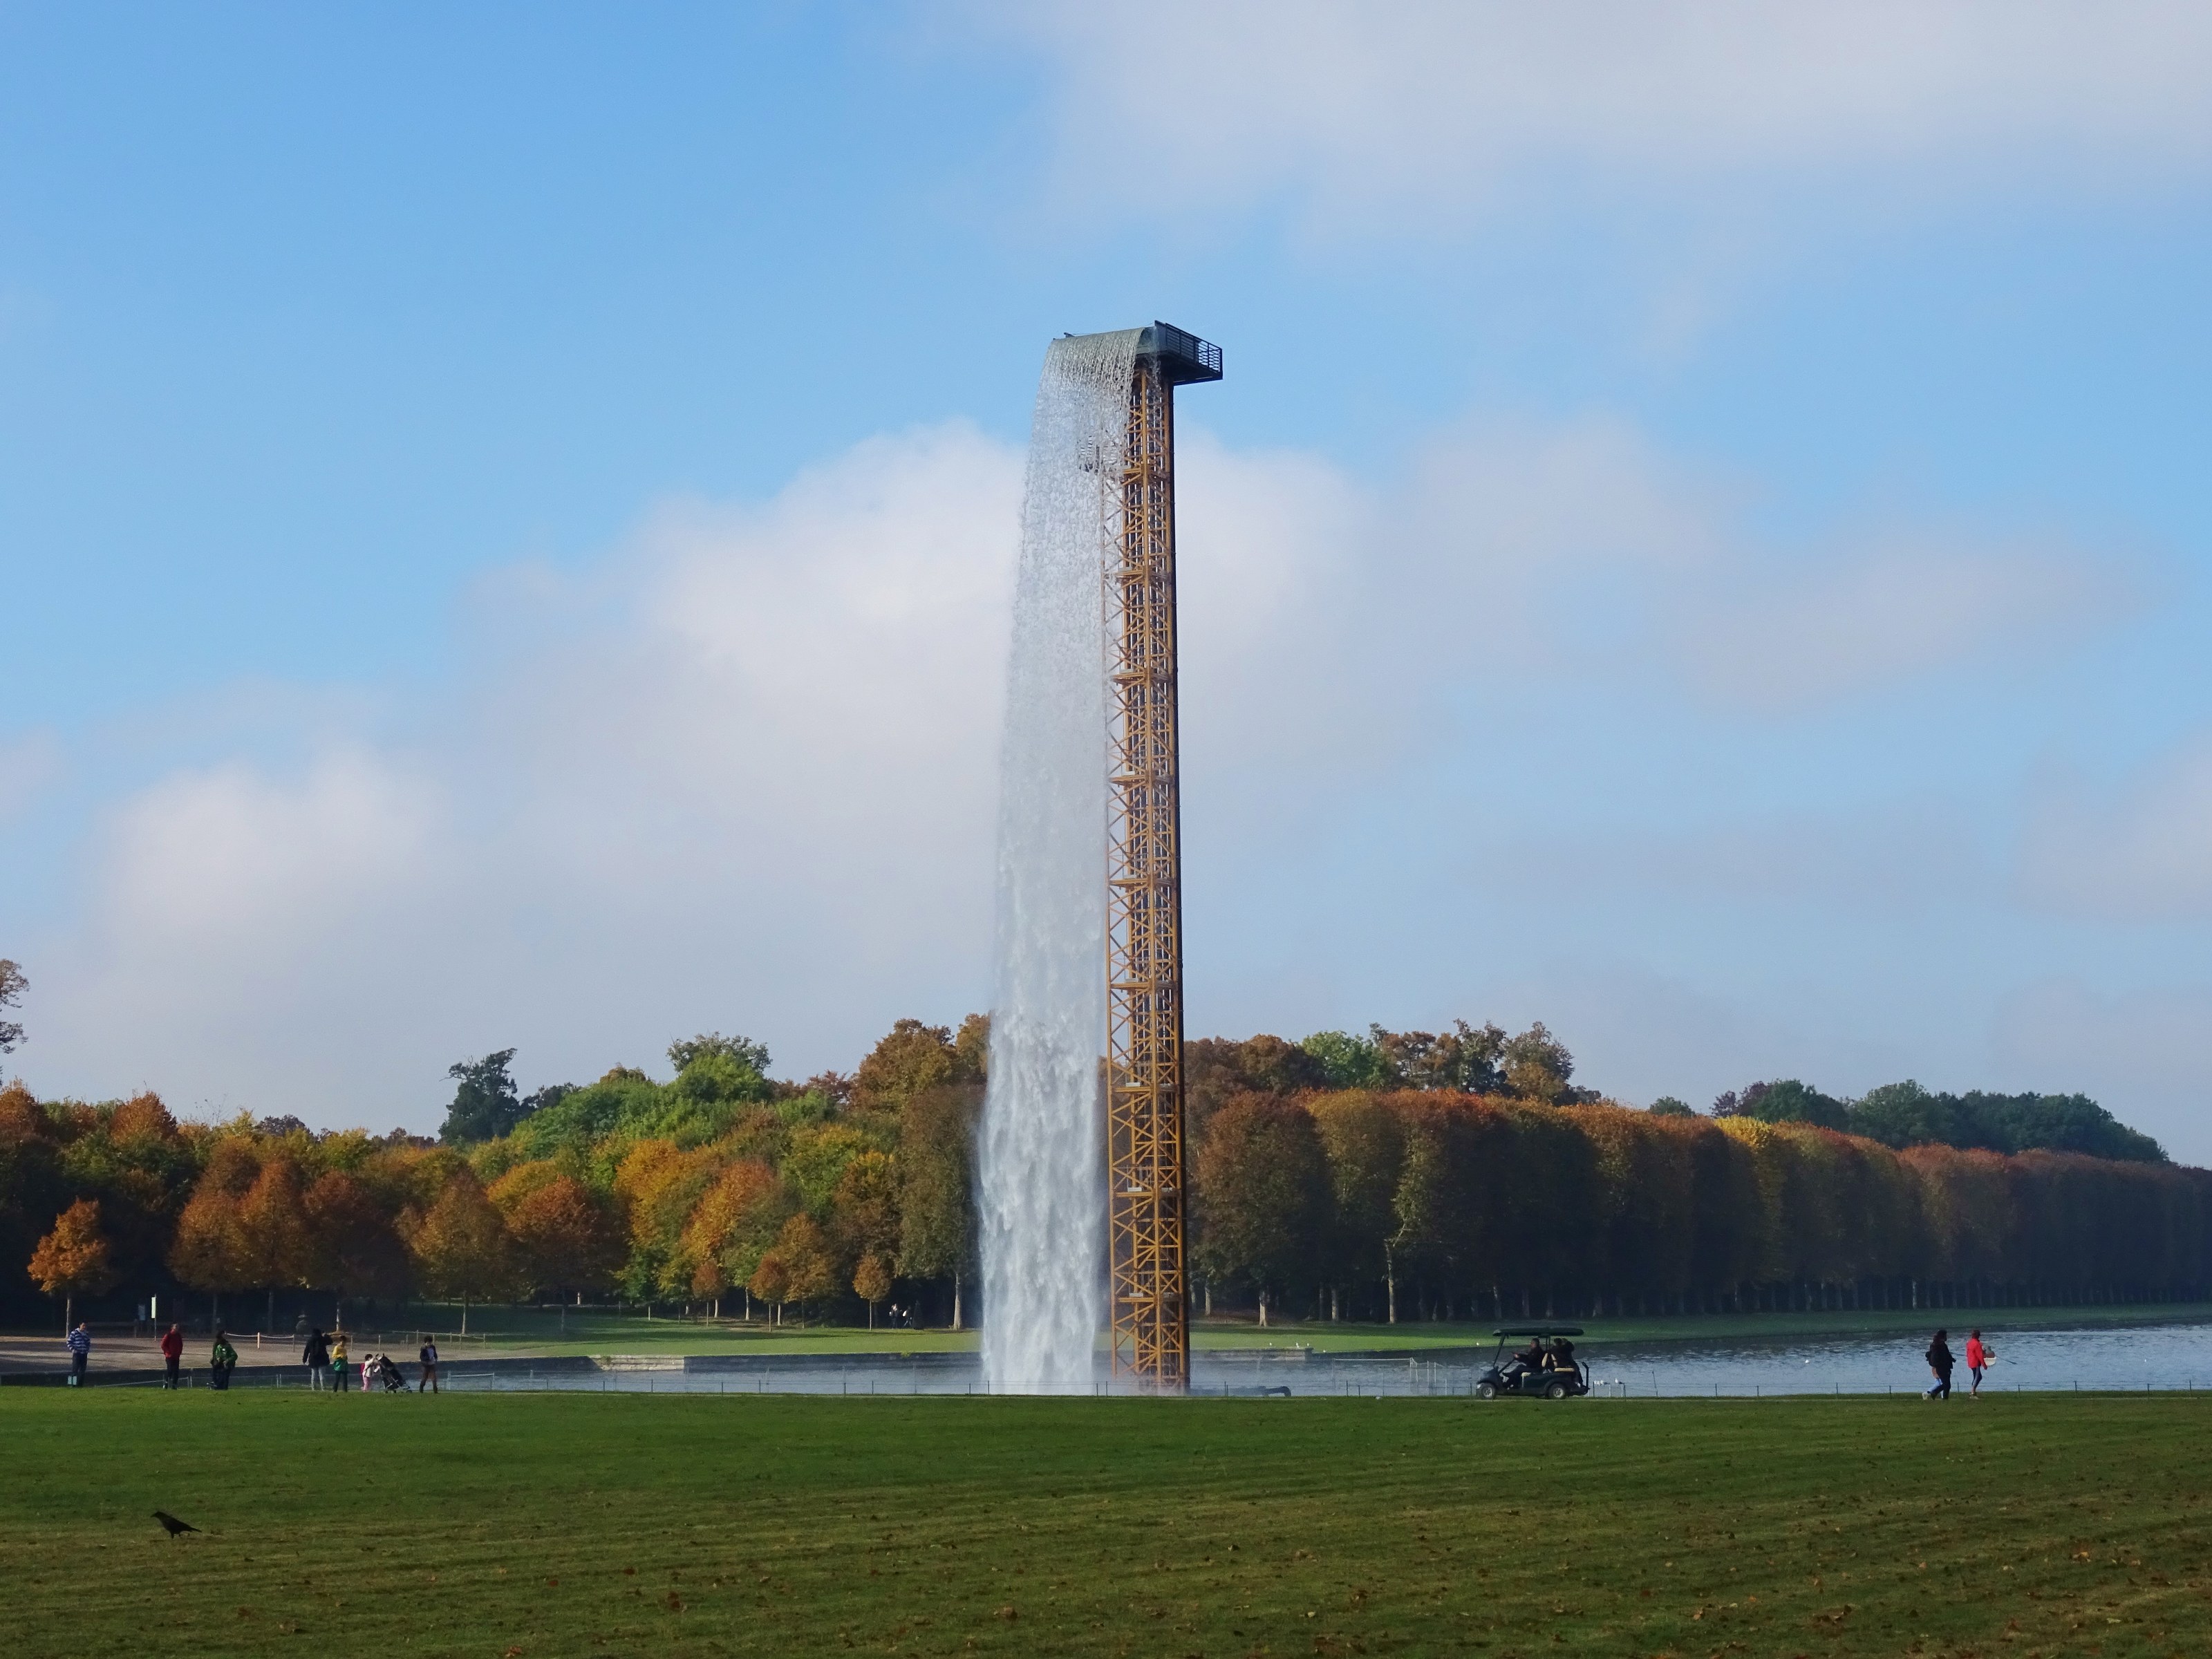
[1180, 356]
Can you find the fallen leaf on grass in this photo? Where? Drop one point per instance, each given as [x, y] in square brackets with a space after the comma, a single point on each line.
[1005, 1613]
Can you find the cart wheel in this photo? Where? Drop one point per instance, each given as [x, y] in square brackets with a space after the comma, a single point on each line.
[1556, 1391]
[1486, 1391]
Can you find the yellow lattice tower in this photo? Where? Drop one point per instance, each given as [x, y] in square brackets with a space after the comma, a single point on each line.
[1146, 1286]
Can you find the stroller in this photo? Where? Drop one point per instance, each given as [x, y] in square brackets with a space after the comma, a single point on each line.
[382, 1368]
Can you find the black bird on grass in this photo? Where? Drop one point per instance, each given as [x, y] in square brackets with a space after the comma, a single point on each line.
[172, 1525]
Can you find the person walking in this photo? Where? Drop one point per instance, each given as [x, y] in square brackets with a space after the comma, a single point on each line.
[429, 1358]
[1978, 1355]
[340, 1372]
[222, 1359]
[80, 1347]
[173, 1352]
[1941, 1364]
[316, 1357]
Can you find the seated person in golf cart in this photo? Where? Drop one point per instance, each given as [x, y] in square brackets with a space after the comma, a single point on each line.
[1546, 1366]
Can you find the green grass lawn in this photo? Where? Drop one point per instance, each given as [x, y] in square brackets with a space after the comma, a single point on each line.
[553, 1524]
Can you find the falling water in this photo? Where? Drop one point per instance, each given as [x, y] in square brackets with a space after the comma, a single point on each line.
[1043, 1210]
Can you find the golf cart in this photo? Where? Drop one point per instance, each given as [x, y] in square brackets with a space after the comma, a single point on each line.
[1553, 1375]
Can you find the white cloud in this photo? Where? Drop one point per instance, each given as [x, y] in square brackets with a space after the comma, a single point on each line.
[741, 774]
[2142, 854]
[1419, 108]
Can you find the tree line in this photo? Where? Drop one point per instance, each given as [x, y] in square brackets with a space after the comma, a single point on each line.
[1394, 1175]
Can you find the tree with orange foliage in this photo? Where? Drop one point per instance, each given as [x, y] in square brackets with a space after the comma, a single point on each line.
[352, 1249]
[212, 1251]
[461, 1246]
[73, 1260]
[567, 1240]
[771, 1283]
[734, 1223]
[871, 1283]
[272, 1221]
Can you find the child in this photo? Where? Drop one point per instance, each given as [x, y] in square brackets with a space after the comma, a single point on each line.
[222, 1359]
[341, 1372]
[1978, 1355]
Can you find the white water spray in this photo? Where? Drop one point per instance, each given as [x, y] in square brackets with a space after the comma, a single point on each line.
[1042, 1158]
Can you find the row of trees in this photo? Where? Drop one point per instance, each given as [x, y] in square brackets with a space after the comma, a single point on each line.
[1351, 1201]
[1377, 1175]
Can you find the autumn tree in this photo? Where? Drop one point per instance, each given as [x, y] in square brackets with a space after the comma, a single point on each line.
[809, 1258]
[566, 1237]
[912, 1058]
[273, 1229]
[1364, 1144]
[353, 1247]
[1215, 1070]
[213, 1251]
[735, 1223]
[871, 1283]
[1263, 1192]
[461, 1246]
[864, 1208]
[771, 1284]
[73, 1260]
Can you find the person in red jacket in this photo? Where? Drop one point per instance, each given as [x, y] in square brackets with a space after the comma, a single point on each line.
[173, 1350]
[1978, 1355]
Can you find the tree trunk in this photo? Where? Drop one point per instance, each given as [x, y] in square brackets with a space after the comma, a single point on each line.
[1390, 1281]
[69, 1308]
[1263, 1310]
[269, 1320]
[956, 1325]
[464, 1316]
[872, 1315]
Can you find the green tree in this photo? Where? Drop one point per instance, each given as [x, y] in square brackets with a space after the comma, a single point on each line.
[1535, 1065]
[485, 1104]
[741, 1052]
[1787, 1101]
[74, 1259]
[1350, 1062]
[1668, 1106]
[937, 1199]
[12, 987]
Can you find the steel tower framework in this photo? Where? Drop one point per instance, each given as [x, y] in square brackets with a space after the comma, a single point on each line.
[1147, 1287]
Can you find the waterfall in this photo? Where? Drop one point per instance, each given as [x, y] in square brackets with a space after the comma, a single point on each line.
[1041, 1156]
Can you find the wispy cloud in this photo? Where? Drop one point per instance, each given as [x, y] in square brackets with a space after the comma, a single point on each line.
[1419, 110]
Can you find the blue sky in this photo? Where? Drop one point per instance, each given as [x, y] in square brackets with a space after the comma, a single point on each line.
[505, 526]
